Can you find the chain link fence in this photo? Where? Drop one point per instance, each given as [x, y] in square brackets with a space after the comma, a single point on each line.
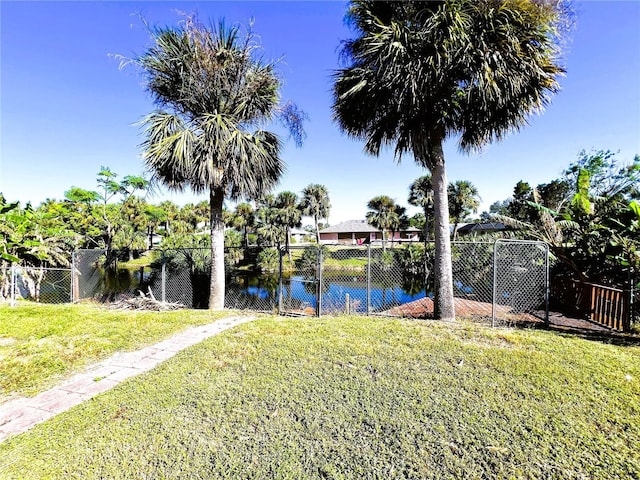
[38, 284]
[502, 282]
[173, 275]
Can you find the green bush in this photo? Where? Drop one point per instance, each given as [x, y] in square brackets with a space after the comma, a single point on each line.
[268, 260]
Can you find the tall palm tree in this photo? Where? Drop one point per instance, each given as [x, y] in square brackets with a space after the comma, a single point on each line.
[463, 200]
[214, 93]
[383, 214]
[288, 214]
[419, 72]
[315, 203]
[421, 195]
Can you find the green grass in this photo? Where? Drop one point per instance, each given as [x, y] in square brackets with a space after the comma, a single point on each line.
[357, 264]
[136, 263]
[354, 397]
[39, 344]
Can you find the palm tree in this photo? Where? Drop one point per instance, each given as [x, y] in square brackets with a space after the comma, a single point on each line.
[398, 221]
[214, 92]
[288, 215]
[315, 203]
[418, 73]
[421, 195]
[463, 200]
[383, 214]
[243, 218]
[270, 231]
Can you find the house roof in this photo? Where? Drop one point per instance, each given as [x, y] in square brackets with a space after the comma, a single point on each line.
[357, 226]
[482, 227]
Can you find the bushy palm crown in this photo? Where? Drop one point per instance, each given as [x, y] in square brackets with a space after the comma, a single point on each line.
[383, 213]
[315, 201]
[288, 213]
[421, 192]
[214, 91]
[421, 71]
[463, 199]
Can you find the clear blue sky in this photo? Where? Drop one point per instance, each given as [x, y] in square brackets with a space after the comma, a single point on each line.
[67, 109]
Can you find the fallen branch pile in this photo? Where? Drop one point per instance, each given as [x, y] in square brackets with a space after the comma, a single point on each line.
[145, 302]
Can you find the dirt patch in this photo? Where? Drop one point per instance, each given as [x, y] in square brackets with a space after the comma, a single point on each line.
[423, 308]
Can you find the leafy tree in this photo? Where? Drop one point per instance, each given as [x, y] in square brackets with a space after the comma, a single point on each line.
[171, 211]
[463, 200]
[315, 203]
[553, 194]
[400, 221]
[154, 216]
[496, 208]
[519, 207]
[608, 177]
[214, 92]
[419, 72]
[594, 232]
[106, 221]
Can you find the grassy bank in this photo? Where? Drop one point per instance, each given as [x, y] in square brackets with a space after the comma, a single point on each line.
[356, 398]
[39, 344]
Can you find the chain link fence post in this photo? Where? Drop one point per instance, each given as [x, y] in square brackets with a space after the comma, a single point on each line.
[319, 285]
[13, 285]
[72, 295]
[280, 281]
[163, 277]
[369, 279]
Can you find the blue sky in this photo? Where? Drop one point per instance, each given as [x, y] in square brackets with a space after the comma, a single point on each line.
[67, 109]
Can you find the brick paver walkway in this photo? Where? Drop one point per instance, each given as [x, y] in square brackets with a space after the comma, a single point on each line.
[20, 414]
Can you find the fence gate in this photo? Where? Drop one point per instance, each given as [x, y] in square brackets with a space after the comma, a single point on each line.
[520, 281]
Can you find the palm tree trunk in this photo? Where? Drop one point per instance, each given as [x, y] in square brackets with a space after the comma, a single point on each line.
[216, 290]
[444, 308]
[426, 227]
[315, 220]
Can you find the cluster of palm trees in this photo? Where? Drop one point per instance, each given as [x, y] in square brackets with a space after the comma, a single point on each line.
[415, 74]
[274, 216]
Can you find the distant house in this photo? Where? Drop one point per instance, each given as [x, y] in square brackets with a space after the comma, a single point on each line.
[298, 235]
[357, 232]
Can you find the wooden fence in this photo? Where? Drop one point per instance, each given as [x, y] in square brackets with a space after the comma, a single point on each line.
[603, 305]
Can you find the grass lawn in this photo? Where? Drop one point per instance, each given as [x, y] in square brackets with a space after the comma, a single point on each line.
[352, 398]
[41, 343]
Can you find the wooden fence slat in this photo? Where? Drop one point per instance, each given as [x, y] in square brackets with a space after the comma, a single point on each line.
[604, 305]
